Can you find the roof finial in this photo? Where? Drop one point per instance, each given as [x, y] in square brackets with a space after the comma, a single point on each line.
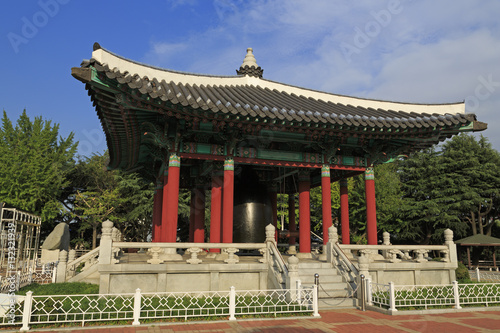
[249, 66]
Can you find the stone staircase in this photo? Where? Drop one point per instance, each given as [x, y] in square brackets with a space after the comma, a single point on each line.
[334, 292]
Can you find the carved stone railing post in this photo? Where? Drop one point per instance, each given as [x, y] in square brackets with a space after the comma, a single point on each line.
[364, 269]
[194, 255]
[392, 255]
[293, 277]
[386, 241]
[71, 255]
[452, 247]
[106, 247]
[71, 269]
[420, 255]
[264, 253]
[333, 238]
[61, 266]
[270, 232]
[452, 252]
[232, 258]
[155, 255]
[364, 263]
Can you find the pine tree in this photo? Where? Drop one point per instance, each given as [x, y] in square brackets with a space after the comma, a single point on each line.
[35, 163]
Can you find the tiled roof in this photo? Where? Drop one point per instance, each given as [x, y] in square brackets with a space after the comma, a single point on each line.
[257, 97]
[128, 95]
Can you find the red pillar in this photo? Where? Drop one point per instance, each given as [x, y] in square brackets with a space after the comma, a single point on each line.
[326, 201]
[199, 216]
[215, 211]
[227, 201]
[291, 218]
[174, 166]
[344, 212]
[371, 210]
[163, 227]
[157, 204]
[304, 213]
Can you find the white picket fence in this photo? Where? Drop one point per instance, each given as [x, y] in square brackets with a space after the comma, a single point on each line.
[392, 297]
[16, 280]
[484, 276]
[140, 307]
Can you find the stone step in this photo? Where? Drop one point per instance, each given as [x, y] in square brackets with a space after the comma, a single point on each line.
[336, 293]
[337, 303]
[323, 278]
[314, 265]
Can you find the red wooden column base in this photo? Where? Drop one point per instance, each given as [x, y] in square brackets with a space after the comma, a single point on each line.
[199, 216]
[227, 201]
[216, 211]
[326, 201]
[344, 211]
[371, 209]
[172, 206]
[304, 213]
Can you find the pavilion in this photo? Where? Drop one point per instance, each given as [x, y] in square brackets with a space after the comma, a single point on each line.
[223, 133]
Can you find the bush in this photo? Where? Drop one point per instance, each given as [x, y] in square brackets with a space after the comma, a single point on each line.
[66, 288]
[462, 273]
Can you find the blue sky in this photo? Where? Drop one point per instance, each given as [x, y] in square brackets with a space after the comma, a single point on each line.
[410, 51]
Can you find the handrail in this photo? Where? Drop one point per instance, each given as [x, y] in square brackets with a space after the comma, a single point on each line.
[83, 258]
[345, 259]
[314, 234]
[280, 261]
[148, 245]
[391, 247]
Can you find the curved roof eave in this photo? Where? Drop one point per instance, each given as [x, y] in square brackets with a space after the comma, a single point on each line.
[106, 57]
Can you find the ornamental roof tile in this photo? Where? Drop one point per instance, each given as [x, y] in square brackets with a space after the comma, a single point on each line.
[257, 97]
[127, 94]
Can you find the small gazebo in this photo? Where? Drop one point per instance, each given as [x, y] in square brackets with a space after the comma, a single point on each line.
[479, 241]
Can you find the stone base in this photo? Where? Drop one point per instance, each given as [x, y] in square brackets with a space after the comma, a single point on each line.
[49, 256]
[212, 255]
[322, 256]
[301, 255]
[292, 249]
[221, 256]
[170, 255]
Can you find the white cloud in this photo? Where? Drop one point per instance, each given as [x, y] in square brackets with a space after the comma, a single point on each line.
[428, 51]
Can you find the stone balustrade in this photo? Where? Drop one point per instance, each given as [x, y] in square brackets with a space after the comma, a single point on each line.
[159, 252]
[409, 263]
[111, 250]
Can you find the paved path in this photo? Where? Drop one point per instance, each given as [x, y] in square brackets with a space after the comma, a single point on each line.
[347, 320]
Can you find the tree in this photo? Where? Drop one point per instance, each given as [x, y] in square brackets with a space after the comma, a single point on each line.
[97, 195]
[124, 198]
[429, 198]
[35, 163]
[474, 167]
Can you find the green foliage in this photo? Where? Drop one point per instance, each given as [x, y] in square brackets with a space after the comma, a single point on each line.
[428, 198]
[35, 163]
[100, 194]
[473, 168]
[65, 288]
[462, 273]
